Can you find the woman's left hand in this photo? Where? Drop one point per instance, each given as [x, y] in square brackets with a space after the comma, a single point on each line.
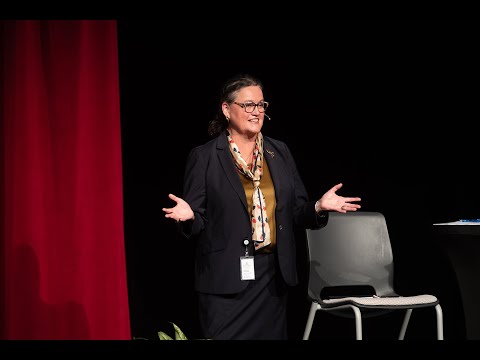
[330, 201]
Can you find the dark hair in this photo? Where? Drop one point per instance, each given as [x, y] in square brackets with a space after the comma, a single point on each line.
[228, 94]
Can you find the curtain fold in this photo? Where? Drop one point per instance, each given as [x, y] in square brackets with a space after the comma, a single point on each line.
[62, 241]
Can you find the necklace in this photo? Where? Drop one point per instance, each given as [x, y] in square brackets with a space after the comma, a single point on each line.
[249, 159]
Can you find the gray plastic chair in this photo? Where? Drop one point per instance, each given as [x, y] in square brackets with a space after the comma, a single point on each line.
[351, 270]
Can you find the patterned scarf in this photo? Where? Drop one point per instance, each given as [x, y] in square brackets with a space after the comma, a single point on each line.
[260, 228]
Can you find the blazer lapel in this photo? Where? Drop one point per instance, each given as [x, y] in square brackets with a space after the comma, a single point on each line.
[274, 165]
[225, 157]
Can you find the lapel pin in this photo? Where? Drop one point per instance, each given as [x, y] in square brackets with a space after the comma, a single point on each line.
[272, 154]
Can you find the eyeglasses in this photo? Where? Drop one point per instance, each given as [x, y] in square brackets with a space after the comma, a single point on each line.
[250, 106]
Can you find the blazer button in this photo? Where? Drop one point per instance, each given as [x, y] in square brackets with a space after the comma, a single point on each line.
[280, 227]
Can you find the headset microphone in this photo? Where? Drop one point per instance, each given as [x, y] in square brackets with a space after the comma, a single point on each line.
[269, 118]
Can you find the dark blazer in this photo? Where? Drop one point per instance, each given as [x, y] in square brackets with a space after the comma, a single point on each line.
[215, 193]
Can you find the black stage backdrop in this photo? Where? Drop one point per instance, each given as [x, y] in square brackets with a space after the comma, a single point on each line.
[393, 122]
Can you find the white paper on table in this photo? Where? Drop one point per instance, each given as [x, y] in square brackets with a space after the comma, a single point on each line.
[460, 223]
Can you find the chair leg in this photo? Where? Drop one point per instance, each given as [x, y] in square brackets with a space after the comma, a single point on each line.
[438, 310]
[358, 322]
[406, 319]
[311, 316]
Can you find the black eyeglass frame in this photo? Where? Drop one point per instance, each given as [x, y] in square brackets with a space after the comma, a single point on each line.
[261, 106]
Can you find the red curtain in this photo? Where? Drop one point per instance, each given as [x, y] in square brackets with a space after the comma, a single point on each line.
[63, 273]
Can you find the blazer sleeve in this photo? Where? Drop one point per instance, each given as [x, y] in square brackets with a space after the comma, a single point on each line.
[304, 214]
[194, 193]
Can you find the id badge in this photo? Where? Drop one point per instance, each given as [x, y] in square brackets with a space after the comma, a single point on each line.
[247, 268]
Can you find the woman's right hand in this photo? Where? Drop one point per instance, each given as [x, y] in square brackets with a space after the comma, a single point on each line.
[180, 212]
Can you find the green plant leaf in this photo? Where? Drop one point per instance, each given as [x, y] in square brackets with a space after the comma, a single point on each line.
[163, 336]
[179, 335]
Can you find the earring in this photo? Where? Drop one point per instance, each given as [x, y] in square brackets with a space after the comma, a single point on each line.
[228, 119]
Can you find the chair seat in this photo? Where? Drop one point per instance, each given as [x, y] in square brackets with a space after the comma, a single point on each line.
[378, 301]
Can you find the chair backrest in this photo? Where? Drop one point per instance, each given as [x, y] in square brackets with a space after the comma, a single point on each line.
[350, 256]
